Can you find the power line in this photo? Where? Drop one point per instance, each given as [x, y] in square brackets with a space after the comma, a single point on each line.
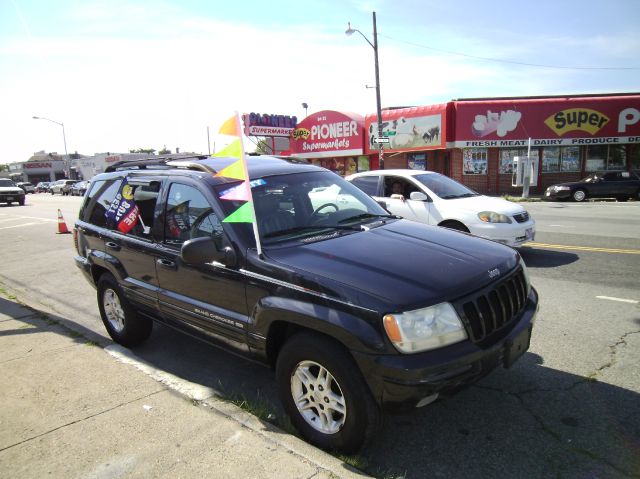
[497, 60]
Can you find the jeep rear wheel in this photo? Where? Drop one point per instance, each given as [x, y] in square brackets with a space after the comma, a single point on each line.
[324, 393]
[123, 324]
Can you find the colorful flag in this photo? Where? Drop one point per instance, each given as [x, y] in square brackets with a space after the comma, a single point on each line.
[123, 211]
[238, 171]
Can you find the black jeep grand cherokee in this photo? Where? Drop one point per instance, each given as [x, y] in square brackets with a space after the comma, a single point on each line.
[358, 311]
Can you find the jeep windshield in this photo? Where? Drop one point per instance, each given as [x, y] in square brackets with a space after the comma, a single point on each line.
[444, 187]
[302, 206]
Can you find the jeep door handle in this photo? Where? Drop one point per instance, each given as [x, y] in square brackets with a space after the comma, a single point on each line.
[112, 245]
[167, 264]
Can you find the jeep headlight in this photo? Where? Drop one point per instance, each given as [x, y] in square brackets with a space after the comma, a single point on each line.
[493, 217]
[424, 329]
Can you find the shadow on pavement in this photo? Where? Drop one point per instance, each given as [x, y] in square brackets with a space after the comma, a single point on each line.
[542, 258]
[530, 421]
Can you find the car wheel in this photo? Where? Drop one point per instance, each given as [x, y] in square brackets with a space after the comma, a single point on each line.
[324, 394]
[123, 324]
[579, 195]
[454, 225]
[21, 202]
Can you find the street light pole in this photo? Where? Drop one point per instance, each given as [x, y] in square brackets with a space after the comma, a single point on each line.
[67, 171]
[374, 45]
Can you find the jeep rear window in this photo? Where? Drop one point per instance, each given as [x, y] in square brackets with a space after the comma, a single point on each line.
[104, 193]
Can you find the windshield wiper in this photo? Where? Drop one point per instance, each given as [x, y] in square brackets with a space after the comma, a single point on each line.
[299, 229]
[368, 215]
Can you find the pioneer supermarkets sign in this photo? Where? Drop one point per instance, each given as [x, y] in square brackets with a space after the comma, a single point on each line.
[257, 124]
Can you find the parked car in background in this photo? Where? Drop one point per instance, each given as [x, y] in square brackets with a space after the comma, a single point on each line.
[79, 188]
[62, 187]
[620, 185]
[43, 187]
[10, 192]
[27, 187]
[435, 199]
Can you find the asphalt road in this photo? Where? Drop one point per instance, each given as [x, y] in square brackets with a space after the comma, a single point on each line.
[569, 408]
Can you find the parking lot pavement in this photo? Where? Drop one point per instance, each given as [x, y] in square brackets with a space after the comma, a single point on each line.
[70, 410]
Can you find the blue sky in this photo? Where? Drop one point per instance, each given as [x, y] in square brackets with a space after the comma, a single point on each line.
[124, 74]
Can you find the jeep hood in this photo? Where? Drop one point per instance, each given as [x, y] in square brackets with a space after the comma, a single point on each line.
[396, 267]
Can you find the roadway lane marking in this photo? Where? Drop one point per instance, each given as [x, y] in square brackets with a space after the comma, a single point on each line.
[28, 218]
[620, 300]
[19, 226]
[583, 248]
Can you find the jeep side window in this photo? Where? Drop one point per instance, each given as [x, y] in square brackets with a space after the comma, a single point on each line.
[189, 215]
[145, 197]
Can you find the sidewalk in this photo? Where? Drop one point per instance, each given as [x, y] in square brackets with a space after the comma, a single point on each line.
[70, 409]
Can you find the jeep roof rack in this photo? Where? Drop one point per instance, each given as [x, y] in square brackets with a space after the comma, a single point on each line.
[188, 162]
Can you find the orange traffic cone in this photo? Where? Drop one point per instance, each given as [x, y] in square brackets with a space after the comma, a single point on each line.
[62, 226]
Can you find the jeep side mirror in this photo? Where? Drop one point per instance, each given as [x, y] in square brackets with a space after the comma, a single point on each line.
[204, 250]
[418, 196]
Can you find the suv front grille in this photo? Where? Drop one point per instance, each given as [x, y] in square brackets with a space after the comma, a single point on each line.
[521, 217]
[494, 308]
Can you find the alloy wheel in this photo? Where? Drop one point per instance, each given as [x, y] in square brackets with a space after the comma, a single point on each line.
[113, 310]
[318, 397]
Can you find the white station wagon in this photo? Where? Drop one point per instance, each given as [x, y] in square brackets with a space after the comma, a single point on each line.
[435, 199]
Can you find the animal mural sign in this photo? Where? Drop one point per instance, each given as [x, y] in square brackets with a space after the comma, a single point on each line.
[407, 129]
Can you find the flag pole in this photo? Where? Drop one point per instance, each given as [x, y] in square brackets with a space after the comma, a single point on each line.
[248, 180]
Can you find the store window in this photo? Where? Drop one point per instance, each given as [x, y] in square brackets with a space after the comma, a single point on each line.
[364, 163]
[550, 159]
[417, 161]
[505, 165]
[605, 157]
[475, 161]
[635, 157]
[570, 158]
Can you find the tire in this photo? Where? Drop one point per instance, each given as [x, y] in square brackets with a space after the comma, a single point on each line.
[123, 324]
[454, 225]
[21, 202]
[579, 195]
[308, 363]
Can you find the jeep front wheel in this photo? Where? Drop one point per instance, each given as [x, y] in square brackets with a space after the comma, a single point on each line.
[324, 393]
[123, 324]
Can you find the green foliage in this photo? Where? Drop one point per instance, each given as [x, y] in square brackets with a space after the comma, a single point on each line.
[263, 148]
[148, 151]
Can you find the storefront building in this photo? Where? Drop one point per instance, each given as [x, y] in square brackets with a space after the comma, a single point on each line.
[569, 136]
[333, 140]
[475, 141]
[412, 137]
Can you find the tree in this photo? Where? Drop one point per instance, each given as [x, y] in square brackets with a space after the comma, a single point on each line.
[263, 147]
[148, 151]
[164, 151]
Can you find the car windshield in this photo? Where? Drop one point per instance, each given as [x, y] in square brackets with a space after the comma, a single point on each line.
[6, 183]
[444, 187]
[590, 179]
[305, 207]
